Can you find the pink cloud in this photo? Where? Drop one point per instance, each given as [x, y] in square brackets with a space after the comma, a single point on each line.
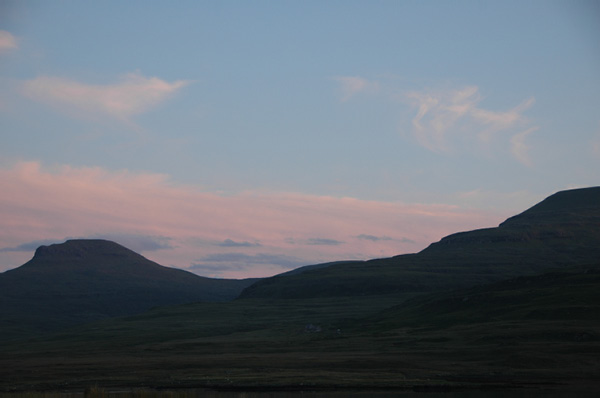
[182, 225]
[7, 41]
[133, 94]
[519, 148]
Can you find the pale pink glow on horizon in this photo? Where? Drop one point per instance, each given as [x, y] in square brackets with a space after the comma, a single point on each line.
[249, 234]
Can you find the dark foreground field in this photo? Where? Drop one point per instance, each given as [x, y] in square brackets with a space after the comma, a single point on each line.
[528, 333]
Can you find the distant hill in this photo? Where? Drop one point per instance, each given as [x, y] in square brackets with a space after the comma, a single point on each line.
[564, 229]
[85, 280]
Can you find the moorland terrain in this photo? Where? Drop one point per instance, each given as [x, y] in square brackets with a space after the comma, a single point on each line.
[517, 305]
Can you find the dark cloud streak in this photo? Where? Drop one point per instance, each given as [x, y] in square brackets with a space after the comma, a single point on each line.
[232, 243]
[31, 246]
[374, 238]
[323, 242]
[239, 261]
[141, 243]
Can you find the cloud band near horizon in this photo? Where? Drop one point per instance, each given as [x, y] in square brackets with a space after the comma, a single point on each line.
[183, 226]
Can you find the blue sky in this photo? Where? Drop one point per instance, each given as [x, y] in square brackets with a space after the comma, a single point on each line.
[284, 133]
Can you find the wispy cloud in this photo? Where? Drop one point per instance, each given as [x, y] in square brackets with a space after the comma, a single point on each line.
[7, 41]
[519, 148]
[150, 213]
[595, 144]
[132, 95]
[444, 117]
[353, 85]
[438, 111]
[502, 120]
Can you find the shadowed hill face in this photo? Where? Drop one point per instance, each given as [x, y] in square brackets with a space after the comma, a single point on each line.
[562, 230]
[569, 294]
[84, 280]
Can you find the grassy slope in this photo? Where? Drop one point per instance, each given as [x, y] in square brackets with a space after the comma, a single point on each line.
[249, 341]
[565, 294]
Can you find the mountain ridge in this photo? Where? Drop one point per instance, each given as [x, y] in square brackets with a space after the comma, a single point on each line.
[550, 234]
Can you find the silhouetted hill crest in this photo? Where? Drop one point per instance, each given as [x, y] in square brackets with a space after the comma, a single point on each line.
[562, 216]
[563, 230]
[83, 247]
[561, 206]
[84, 280]
[86, 252]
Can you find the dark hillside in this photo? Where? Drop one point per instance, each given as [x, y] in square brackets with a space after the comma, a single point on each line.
[532, 333]
[84, 280]
[562, 230]
[570, 294]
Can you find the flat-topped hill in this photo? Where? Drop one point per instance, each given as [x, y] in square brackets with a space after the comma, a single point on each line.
[84, 280]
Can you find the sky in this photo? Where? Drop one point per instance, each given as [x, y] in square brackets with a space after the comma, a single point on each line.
[243, 139]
